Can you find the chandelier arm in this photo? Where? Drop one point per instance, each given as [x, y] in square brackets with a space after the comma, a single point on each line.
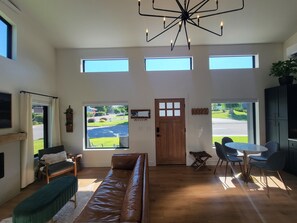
[224, 12]
[203, 11]
[210, 10]
[186, 4]
[208, 30]
[186, 32]
[172, 22]
[165, 30]
[180, 6]
[152, 15]
[203, 2]
[157, 16]
[163, 10]
[177, 34]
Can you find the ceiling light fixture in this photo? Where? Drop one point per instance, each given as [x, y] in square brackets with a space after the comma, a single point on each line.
[187, 15]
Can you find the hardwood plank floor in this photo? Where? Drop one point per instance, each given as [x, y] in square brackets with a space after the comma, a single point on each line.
[180, 194]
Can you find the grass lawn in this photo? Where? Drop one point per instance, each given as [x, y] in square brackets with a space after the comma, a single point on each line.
[121, 120]
[38, 144]
[225, 115]
[220, 114]
[234, 138]
[105, 142]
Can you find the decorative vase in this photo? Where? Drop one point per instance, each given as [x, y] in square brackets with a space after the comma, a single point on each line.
[286, 80]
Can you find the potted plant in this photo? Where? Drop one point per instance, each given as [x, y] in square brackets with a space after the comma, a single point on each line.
[284, 70]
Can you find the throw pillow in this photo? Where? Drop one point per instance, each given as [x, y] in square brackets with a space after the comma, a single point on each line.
[54, 157]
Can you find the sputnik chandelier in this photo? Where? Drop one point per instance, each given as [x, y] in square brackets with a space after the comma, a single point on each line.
[187, 14]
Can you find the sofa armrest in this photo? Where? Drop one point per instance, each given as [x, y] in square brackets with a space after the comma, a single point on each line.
[124, 161]
[132, 204]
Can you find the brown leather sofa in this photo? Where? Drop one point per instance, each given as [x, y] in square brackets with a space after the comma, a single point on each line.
[123, 195]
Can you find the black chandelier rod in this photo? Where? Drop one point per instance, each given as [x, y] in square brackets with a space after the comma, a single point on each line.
[203, 28]
[168, 28]
[164, 21]
[228, 11]
[177, 34]
[203, 2]
[152, 15]
[203, 11]
[159, 9]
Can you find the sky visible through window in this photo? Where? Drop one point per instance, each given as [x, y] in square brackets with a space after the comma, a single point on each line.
[3, 39]
[231, 62]
[106, 65]
[168, 64]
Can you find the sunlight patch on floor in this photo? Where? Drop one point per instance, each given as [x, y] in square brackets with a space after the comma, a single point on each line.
[273, 182]
[227, 182]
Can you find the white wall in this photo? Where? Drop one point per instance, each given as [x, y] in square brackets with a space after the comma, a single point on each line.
[139, 88]
[32, 69]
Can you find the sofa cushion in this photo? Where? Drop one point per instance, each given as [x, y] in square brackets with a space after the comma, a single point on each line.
[132, 207]
[53, 168]
[107, 201]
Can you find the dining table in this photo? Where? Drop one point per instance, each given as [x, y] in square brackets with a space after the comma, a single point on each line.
[246, 148]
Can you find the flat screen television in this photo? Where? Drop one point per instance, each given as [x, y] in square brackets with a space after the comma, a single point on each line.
[5, 110]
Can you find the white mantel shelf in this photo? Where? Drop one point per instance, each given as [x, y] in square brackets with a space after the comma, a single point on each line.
[12, 137]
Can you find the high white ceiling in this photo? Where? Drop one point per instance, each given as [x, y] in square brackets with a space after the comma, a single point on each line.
[116, 23]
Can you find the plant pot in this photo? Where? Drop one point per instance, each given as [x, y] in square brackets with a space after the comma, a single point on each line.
[286, 80]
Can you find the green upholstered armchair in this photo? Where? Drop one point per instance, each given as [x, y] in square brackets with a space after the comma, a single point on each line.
[54, 161]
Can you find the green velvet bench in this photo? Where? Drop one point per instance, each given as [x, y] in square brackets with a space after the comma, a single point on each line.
[47, 201]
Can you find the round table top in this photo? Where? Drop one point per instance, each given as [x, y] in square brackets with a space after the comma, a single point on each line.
[246, 147]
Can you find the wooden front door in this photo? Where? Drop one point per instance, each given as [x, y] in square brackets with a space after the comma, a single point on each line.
[170, 131]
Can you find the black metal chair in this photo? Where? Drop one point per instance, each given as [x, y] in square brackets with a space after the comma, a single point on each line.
[229, 151]
[272, 148]
[220, 155]
[275, 163]
[223, 156]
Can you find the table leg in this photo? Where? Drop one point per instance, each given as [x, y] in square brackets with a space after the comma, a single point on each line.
[245, 172]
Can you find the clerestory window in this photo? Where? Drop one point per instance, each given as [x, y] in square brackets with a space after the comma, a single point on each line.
[5, 38]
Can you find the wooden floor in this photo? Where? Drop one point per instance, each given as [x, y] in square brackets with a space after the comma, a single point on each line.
[179, 194]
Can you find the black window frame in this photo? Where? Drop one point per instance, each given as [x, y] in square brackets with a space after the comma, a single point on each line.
[86, 130]
[8, 38]
[252, 135]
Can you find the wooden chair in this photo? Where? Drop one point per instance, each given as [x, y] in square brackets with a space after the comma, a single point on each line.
[54, 161]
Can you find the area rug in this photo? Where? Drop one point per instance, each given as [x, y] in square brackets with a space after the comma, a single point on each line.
[68, 213]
